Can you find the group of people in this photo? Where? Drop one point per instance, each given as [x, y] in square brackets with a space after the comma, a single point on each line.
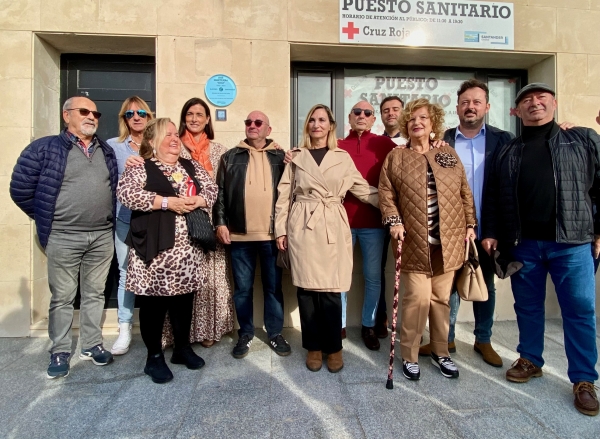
[529, 200]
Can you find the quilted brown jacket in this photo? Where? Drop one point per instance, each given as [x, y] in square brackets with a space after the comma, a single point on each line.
[403, 193]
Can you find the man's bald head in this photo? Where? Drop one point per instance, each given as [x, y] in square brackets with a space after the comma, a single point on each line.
[257, 128]
[83, 127]
[361, 122]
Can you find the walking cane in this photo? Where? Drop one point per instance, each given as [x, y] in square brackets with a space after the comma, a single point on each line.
[390, 380]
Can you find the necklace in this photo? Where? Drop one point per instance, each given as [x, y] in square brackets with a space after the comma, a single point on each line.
[175, 177]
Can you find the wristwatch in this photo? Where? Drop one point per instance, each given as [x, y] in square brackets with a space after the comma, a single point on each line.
[165, 203]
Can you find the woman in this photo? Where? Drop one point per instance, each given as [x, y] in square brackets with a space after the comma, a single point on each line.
[425, 198]
[165, 265]
[133, 117]
[213, 304]
[316, 233]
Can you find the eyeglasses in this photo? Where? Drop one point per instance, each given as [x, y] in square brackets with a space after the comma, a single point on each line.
[357, 112]
[84, 112]
[258, 123]
[130, 113]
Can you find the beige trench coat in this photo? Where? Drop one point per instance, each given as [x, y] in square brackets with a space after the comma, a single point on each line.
[319, 239]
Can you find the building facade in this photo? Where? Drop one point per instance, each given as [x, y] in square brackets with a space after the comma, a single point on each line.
[283, 55]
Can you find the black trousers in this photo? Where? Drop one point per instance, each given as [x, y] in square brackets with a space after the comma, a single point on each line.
[153, 310]
[381, 308]
[321, 320]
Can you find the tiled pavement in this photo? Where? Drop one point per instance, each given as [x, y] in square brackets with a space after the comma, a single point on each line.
[266, 396]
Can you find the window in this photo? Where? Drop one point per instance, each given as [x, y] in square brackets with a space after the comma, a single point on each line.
[341, 86]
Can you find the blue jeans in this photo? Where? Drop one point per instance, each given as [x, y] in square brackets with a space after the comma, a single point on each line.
[483, 311]
[572, 271]
[126, 299]
[243, 266]
[371, 247]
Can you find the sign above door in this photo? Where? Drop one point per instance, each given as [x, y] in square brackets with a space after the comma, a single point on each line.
[464, 24]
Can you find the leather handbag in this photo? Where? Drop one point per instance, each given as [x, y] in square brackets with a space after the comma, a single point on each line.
[469, 281]
[283, 258]
[201, 230]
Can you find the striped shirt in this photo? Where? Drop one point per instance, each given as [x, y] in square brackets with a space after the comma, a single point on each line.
[433, 217]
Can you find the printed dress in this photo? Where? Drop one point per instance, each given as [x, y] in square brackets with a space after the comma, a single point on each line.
[180, 269]
[213, 303]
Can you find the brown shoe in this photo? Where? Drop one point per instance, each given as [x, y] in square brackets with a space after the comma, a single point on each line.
[370, 339]
[335, 362]
[207, 343]
[523, 370]
[343, 333]
[381, 326]
[586, 400]
[314, 361]
[488, 353]
[425, 350]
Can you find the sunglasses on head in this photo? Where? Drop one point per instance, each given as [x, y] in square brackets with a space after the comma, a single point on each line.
[258, 123]
[130, 113]
[357, 112]
[84, 112]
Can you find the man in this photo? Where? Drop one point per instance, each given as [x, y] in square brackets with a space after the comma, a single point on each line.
[67, 184]
[391, 111]
[475, 143]
[244, 216]
[538, 209]
[368, 152]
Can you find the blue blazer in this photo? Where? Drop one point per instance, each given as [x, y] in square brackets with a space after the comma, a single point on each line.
[494, 139]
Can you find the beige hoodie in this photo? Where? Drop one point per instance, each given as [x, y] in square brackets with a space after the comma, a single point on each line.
[258, 197]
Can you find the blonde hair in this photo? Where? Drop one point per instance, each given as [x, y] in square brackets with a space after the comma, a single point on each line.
[124, 130]
[436, 113]
[331, 137]
[154, 134]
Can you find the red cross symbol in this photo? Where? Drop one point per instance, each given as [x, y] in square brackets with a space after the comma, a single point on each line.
[350, 30]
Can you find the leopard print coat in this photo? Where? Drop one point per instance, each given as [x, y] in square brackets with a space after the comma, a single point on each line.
[180, 269]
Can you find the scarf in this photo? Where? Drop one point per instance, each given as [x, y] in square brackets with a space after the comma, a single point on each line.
[200, 150]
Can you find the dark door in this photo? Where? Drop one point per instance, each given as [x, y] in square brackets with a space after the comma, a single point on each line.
[108, 80]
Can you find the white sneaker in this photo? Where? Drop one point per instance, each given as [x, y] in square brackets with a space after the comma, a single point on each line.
[121, 346]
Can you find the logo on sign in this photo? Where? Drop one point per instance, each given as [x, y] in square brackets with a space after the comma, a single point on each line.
[483, 37]
[471, 37]
[350, 30]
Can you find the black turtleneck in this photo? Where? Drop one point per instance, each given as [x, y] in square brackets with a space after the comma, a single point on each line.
[536, 189]
[319, 154]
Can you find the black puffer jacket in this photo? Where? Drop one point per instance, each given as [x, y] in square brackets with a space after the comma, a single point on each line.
[576, 162]
[229, 209]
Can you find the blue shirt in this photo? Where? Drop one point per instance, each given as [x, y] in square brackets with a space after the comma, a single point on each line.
[122, 151]
[472, 155]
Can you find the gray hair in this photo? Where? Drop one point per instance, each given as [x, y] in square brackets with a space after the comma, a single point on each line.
[68, 103]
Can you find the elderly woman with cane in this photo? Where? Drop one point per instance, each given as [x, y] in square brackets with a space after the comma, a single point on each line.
[425, 198]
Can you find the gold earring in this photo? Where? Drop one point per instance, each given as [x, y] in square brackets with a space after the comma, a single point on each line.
[432, 136]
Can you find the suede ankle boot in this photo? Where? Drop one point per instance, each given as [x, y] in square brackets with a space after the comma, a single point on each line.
[314, 360]
[335, 362]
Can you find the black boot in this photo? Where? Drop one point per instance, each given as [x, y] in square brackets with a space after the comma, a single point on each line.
[157, 368]
[188, 357]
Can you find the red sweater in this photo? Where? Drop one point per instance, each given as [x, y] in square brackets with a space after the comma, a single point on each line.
[368, 153]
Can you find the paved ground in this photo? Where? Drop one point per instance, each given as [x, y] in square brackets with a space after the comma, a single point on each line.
[266, 396]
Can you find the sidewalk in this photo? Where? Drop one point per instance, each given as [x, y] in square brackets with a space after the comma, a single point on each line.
[266, 396]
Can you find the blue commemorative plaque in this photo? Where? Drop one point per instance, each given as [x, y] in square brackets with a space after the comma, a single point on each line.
[220, 90]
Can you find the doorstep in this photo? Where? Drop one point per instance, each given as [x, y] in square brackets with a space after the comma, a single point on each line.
[110, 324]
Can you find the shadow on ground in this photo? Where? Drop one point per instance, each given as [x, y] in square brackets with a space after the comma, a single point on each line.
[267, 396]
